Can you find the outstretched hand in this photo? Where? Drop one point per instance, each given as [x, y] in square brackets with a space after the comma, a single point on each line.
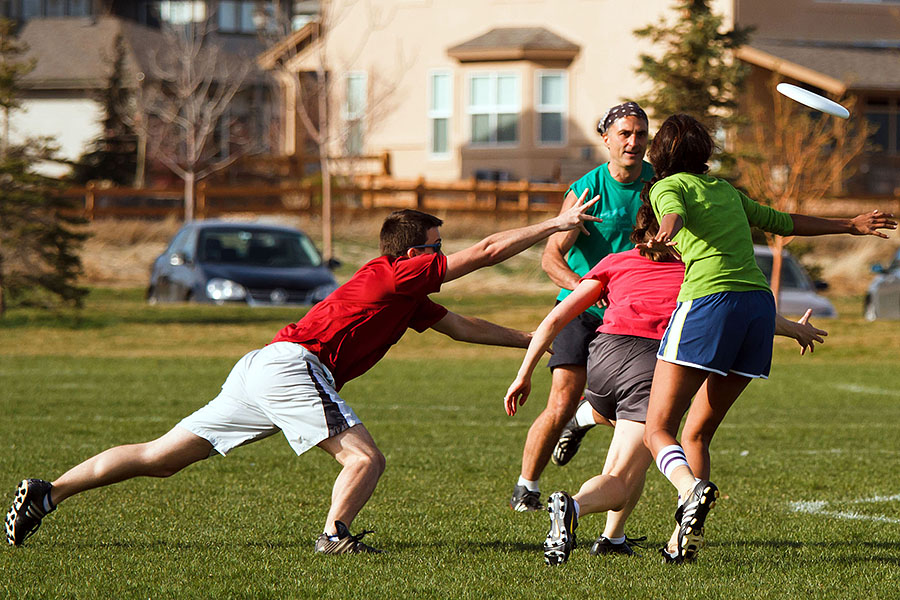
[869, 223]
[518, 392]
[806, 334]
[658, 243]
[577, 215]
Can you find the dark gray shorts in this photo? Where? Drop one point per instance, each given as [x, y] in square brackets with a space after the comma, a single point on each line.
[619, 375]
[570, 347]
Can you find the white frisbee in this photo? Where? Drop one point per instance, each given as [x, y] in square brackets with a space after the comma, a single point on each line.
[813, 100]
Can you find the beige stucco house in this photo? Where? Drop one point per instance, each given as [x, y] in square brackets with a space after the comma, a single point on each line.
[513, 89]
[499, 89]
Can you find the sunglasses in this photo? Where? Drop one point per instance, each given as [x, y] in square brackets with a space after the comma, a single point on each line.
[436, 246]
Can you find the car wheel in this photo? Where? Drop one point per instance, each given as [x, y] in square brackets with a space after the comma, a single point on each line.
[151, 297]
[869, 312]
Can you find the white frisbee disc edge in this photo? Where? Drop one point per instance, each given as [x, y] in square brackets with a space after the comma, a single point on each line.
[812, 100]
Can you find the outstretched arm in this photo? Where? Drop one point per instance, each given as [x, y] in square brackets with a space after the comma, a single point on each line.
[670, 225]
[479, 331]
[864, 224]
[585, 294]
[553, 261]
[500, 246]
[802, 331]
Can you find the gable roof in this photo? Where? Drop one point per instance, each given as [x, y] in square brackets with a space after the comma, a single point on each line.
[77, 53]
[515, 43]
[835, 67]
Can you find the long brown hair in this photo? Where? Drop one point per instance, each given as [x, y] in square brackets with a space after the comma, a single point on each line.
[682, 145]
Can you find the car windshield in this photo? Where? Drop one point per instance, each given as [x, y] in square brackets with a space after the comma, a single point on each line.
[792, 274]
[257, 247]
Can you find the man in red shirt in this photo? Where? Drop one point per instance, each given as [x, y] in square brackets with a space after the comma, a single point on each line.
[292, 384]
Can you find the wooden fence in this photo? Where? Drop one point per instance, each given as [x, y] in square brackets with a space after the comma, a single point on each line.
[372, 192]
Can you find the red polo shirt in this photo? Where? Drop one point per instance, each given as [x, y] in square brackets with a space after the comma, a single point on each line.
[357, 323]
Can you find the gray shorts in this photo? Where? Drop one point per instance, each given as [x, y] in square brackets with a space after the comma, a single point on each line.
[282, 387]
[619, 374]
[570, 347]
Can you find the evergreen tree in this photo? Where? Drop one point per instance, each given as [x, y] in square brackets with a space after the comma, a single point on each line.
[113, 155]
[696, 72]
[39, 247]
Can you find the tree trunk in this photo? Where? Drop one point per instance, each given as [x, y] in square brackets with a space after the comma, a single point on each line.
[777, 249]
[2, 290]
[327, 224]
[189, 197]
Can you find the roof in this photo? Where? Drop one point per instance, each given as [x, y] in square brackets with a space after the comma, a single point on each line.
[515, 43]
[835, 67]
[76, 53]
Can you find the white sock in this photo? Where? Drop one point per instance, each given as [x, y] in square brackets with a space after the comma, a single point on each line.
[531, 486]
[670, 458]
[618, 540]
[577, 507]
[584, 416]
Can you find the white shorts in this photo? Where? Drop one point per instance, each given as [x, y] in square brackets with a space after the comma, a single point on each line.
[282, 387]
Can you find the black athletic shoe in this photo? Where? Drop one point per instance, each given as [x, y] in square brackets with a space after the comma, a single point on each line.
[345, 544]
[524, 500]
[694, 510]
[604, 546]
[563, 521]
[24, 516]
[669, 558]
[569, 441]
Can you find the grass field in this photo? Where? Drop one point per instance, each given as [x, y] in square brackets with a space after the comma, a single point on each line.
[807, 464]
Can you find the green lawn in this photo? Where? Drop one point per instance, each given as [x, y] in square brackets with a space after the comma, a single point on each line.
[806, 462]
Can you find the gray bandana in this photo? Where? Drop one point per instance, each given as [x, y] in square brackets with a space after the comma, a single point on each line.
[626, 109]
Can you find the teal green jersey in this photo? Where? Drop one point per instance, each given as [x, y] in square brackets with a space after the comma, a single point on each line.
[618, 207]
[715, 242]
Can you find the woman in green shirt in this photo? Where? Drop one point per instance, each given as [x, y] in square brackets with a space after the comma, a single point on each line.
[720, 335]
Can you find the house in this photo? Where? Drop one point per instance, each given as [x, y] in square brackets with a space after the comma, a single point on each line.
[452, 89]
[513, 89]
[73, 42]
[839, 48]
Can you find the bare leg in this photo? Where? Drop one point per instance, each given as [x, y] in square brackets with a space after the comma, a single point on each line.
[670, 396]
[363, 463]
[567, 385]
[707, 411]
[619, 487]
[162, 457]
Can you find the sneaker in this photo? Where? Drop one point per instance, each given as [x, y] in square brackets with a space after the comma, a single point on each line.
[605, 546]
[669, 557]
[24, 516]
[569, 440]
[563, 521]
[524, 500]
[345, 544]
[693, 515]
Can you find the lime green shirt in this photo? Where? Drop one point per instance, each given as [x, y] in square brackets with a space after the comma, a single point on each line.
[618, 207]
[715, 242]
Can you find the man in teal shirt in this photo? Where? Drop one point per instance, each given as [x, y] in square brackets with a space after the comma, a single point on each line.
[566, 259]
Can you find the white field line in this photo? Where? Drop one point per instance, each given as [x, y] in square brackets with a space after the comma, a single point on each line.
[867, 389]
[819, 507]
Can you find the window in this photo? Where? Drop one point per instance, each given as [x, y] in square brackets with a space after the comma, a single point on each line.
[182, 12]
[27, 9]
[440, 107]
[884, 115]
[551, 107]
[246, 16]
[494, 108]
[354, 112]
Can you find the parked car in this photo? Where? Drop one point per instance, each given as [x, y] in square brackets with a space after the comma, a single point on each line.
[798, 291]
[256, 264]
[883, 296]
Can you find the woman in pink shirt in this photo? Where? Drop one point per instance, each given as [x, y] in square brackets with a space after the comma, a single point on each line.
[639, 287]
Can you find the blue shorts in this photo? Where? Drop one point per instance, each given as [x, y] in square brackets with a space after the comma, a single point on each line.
[727, 332]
